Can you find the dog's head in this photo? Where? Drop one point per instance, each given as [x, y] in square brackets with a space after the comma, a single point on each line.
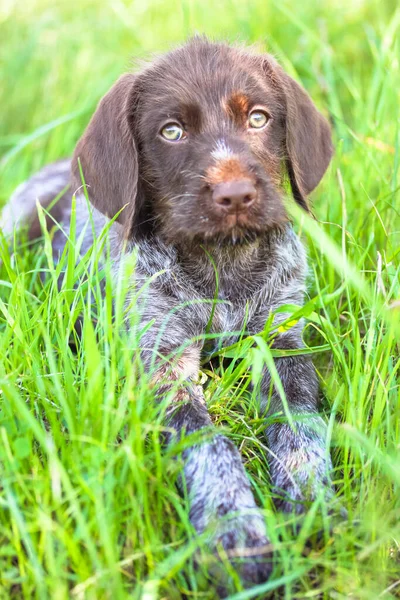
[197, 145]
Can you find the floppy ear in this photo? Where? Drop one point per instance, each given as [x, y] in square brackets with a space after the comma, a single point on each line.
[308, 139]
[108, 155]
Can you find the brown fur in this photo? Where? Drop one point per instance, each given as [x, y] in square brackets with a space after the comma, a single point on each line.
[227, 170]
[237, 106]
[131, 171]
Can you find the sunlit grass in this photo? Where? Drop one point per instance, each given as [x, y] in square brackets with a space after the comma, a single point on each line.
[88, 505]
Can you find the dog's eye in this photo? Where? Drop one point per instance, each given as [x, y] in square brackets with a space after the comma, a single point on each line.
[172, 132]
[258, 119]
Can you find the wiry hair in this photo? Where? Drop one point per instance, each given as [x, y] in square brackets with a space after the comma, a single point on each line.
[128, 171]
[212, 202]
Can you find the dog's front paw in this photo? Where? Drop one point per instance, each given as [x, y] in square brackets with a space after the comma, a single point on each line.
[242, 540]
[223, 508]
[296, 498]
[299, 477]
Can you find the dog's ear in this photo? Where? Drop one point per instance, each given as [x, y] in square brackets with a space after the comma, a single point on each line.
[108, 155]
[309, 146]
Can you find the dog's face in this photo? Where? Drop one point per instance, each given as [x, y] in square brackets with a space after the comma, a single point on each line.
[211, 134]
[197, 145]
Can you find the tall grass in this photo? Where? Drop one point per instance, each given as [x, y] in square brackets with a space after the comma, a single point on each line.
[88, 506]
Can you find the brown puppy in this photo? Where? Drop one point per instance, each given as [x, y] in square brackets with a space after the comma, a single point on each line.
[191, 154]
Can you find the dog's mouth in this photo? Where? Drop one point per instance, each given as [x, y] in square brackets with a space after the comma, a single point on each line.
[239, 220]
[199, 216]
[233, 229]
[237, 228]
[237, 236]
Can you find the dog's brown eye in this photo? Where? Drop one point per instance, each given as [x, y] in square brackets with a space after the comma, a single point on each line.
[172, 132]
[258, 119]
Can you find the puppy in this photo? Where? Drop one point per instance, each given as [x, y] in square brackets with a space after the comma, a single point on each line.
[190, 157]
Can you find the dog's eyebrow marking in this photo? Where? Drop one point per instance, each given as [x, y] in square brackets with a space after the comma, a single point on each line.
[222, 151]
[238, 106]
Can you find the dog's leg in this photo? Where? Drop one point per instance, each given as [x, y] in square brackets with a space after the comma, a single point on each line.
[221, 501]
[299, 462]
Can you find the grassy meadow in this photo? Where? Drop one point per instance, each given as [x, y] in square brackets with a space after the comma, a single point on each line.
[88, 505]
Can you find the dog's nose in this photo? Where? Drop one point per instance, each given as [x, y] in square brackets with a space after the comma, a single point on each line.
[234, 196]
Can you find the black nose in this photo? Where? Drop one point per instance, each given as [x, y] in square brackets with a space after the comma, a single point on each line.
[234, 196]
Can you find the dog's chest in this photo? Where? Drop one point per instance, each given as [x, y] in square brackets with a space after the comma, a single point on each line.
[224, 293]
[223, 302]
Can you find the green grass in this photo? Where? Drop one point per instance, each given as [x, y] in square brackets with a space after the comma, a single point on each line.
[88, 506]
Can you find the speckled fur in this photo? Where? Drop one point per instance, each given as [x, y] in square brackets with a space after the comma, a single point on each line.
[259, 270]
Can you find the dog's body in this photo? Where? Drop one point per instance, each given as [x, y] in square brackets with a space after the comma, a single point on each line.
[178, 153]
